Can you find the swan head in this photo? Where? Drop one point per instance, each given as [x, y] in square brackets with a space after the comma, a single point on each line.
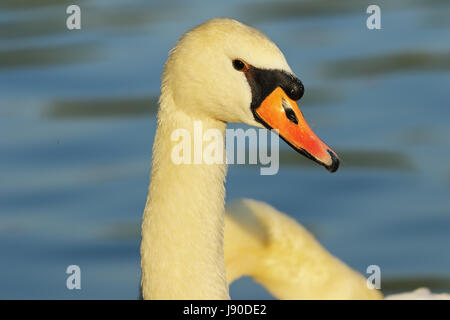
[231, 72]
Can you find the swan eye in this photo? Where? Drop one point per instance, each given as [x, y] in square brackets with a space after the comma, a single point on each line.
[240, 65]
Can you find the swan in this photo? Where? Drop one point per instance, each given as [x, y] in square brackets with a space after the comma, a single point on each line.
[279, 253]
[192, 248]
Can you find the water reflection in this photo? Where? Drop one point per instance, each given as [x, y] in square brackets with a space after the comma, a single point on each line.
[388, 160]
[48, 56]
[28, 28]
[289, 9]
[388, 63]
[402, 284]
[370, 159]
[27, 4]
[106, 107]
[322, 8]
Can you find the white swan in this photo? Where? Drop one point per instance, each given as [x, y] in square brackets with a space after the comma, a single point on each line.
[224, 71]
[284, 257]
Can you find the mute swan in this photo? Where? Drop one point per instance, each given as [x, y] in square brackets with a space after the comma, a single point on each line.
[284, 257]
[224, 71]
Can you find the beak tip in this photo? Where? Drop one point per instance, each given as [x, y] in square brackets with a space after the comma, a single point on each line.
[334, 162]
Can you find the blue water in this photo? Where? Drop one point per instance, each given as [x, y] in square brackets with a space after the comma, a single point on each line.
[77, 119]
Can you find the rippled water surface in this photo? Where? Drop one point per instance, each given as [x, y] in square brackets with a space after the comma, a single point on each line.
[77, 117]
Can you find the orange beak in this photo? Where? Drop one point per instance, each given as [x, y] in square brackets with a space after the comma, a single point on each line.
[278, 111]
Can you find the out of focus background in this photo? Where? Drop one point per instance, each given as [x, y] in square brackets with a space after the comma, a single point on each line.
[77, 119]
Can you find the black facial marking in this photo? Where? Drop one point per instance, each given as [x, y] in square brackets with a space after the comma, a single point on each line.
[263, 81]
[290, 114]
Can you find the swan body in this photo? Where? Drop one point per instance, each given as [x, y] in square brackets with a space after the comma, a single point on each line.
[284, 257]
[224, 71]
[419, 294]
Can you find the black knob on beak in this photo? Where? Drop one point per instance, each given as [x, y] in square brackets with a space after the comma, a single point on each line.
[294, 88]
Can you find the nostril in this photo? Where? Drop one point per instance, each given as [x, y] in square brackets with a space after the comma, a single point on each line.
[290, 114]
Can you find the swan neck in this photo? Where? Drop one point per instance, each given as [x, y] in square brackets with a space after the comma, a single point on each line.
[182, 232]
